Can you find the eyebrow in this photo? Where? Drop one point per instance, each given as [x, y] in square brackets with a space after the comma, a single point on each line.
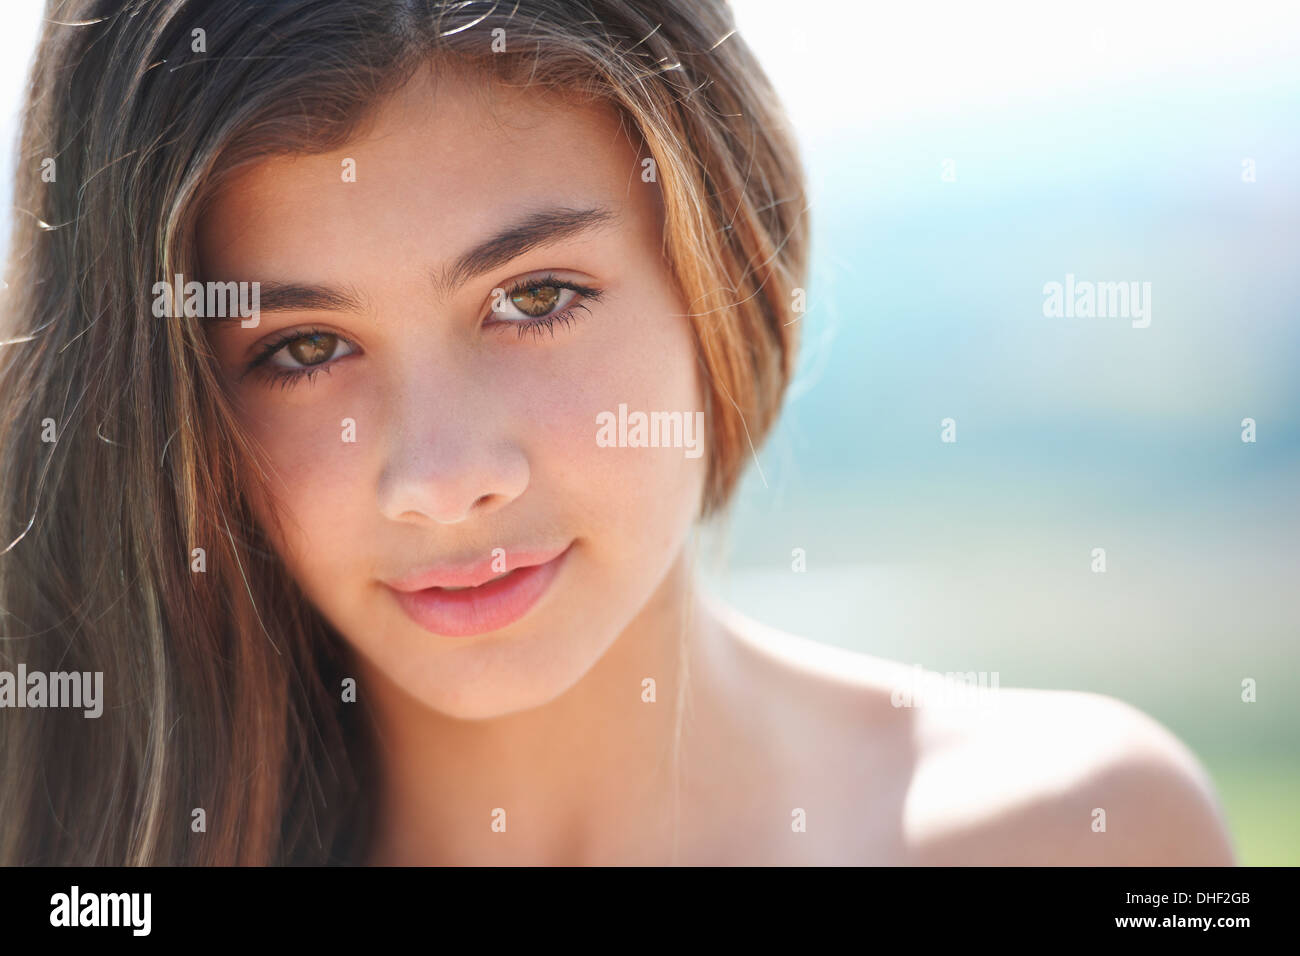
[541, 228]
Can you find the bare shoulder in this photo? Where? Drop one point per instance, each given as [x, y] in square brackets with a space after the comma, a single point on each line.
[947, 773]
[1043, 778]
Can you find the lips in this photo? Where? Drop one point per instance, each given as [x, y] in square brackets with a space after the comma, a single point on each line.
[464, 600]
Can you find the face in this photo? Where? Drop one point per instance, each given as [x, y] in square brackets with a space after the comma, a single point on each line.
[429, 403]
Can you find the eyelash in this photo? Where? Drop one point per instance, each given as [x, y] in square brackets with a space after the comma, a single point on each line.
[286, 377]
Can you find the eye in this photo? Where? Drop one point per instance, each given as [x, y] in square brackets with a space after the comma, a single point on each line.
[298, 355]
[307, 350]
[536, 305]
[535, 301]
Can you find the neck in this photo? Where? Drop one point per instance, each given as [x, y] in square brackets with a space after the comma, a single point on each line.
[566, 778]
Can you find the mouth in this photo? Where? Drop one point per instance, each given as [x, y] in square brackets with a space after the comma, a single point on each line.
[477, 598]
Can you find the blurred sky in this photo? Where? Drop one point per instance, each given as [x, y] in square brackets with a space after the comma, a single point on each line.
[1104, 141]
[1100, 139]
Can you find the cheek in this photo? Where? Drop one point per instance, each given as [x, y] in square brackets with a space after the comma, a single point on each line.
[316, 455]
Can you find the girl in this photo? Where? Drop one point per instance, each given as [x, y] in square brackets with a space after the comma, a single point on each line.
[368, 369]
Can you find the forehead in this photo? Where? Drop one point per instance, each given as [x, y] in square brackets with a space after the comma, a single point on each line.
[437, 164]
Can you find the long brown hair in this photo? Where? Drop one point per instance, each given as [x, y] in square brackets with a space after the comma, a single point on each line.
[119, 453]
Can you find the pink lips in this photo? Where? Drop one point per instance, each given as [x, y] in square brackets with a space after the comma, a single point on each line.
[484, 604]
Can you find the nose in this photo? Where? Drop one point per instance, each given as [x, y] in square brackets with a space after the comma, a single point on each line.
[445, 468]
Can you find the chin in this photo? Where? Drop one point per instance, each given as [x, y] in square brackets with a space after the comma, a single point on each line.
[496, 675]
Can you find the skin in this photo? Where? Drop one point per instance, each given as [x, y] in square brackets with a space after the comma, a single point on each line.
[470, 437]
